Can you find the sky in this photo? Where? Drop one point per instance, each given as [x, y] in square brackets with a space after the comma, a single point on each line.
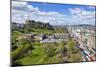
[53, 13]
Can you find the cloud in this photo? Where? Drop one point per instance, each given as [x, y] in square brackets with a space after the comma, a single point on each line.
[32, 9]
[24, 6]
[18, 4]
[82, 16]
[48, 13]
[18, 16]
[91, 7]
[22, 11]
[75, 10]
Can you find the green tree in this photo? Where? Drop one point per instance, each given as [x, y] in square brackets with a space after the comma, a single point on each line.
[25, 45]
[71, 46]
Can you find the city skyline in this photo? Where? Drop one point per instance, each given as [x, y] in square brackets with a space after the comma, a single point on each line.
[53, 13]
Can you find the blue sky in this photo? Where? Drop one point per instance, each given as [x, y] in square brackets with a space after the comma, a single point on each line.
[53, 13]
[62, 8]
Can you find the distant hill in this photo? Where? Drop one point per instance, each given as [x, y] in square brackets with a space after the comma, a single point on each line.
[38, 24]
[77, 25]
[17, 26]
[30, 24]
[82, 25]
